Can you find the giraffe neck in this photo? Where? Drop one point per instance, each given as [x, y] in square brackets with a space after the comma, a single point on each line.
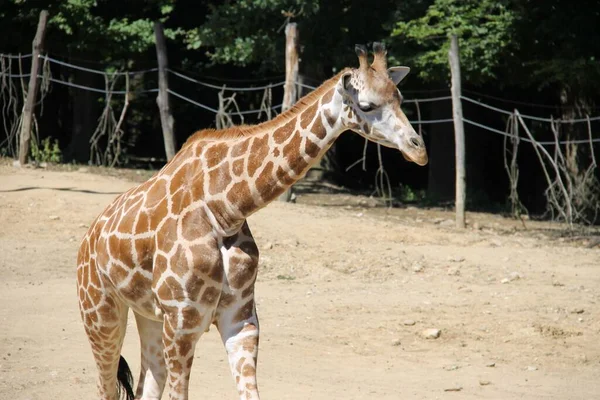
[297, 145]
[259, 167]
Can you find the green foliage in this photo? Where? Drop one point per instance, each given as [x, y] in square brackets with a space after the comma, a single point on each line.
[88, 20]
[107, 31]
[247, 32]
[408, 195]
[46, 152]
[485, 29]
[560, 45]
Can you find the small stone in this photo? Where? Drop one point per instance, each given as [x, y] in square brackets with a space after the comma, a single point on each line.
[456, 388]
[531, 368]
[453, 271]
[447, 222]
[505, 280]
[417, 267]
[82, 225]
[54, 217]
[268, 246]
[490, 364]
[396, 342]
[476, 226]
[408, 322]
[577, 311]
[431, 333]
[456, 258]
[484, 383]
[514, 276]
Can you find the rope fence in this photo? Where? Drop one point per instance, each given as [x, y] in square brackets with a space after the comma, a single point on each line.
[570, 196]
[223, 88]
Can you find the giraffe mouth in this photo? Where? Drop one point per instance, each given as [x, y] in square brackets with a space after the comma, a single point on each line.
[419, 157]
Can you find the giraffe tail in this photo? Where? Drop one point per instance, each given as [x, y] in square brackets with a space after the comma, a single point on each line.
[125, 380]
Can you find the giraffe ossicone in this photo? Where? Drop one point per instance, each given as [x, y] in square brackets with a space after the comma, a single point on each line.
[177, 249]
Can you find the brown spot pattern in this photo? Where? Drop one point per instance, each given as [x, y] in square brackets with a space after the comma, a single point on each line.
[215, 154]
[238, 167]
[219, 178]
[311, 148]
[240, 196]
[258, 153]
[245, 313]
[210, 295]
[156, 193]
[240, 148]
[308, 115]
[281, 134]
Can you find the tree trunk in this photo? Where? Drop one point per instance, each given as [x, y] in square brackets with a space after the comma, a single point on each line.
[459, 132]
[32, 90]
[568, 105]
[162, 100]
[291, 77]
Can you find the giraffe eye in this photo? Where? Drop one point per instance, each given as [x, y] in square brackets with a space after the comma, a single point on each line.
[366, 107]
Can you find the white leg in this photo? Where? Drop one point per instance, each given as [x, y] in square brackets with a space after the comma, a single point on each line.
[241, 342]
[153, 373]
[236, 316]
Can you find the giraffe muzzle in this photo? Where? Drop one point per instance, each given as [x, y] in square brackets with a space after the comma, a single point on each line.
[414, 150]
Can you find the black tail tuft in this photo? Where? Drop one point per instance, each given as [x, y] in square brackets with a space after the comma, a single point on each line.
[125, 380]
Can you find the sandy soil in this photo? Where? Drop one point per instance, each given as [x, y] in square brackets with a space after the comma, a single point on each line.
[344, 293]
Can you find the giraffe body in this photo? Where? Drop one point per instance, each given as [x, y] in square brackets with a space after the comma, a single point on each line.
[177, 249]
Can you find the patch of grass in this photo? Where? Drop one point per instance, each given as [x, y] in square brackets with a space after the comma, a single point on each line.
[406, 194]
[46, 151]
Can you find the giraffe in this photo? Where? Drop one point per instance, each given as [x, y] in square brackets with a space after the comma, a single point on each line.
[177, 249]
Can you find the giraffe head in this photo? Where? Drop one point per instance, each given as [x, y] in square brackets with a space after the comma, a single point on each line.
[372, 105]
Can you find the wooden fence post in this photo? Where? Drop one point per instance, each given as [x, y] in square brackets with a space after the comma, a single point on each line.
[291, 77]
[459, 132]
[32, 90]
[162, 100]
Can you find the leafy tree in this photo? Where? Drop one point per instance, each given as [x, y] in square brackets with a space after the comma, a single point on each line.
[560, 45]
[486, 31]
[246, 32]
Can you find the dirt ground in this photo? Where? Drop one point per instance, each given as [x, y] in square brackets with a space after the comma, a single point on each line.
[345, 290]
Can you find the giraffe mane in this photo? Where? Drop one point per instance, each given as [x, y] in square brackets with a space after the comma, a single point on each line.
[238, 131]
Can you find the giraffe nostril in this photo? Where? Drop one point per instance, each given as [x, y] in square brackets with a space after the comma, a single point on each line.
[415, 142]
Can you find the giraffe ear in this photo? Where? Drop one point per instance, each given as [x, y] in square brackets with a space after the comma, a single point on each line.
[398, 73]
[346, 80]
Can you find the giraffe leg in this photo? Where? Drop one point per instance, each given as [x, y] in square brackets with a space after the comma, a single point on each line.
[179, 348]
[188, 291]
[236, 316]
[241, 342]
[153, 373]
[105, 323]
